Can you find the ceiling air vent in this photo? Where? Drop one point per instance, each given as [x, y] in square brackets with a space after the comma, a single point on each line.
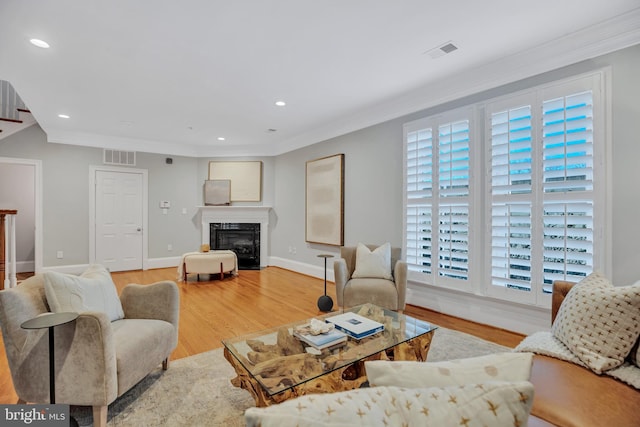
[117, 157]
[442, 50]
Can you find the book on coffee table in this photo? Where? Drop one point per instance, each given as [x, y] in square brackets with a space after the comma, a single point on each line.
[355, 325]
[322, 341]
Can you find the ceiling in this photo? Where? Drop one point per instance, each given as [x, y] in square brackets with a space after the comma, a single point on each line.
[172, 77]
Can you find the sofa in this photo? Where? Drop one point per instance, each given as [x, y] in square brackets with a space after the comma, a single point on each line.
[113, 344]
[567, 390]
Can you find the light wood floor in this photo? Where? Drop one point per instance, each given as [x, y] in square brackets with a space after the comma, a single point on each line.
[212, 309]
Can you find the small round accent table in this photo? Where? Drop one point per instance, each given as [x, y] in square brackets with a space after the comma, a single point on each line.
[325, 303]
[50, 321]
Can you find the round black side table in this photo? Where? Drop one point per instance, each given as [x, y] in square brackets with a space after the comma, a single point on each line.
[50, 321]
[325, 303]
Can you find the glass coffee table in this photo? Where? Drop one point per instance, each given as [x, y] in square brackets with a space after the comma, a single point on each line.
[274, 366]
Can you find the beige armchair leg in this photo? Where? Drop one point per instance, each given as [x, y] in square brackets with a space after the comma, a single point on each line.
[100, 416]
[165, 364]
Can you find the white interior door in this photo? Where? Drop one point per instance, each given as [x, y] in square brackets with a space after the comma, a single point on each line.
[118, 220]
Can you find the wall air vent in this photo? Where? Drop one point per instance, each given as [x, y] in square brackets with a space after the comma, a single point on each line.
[121, 158]
[442, 50]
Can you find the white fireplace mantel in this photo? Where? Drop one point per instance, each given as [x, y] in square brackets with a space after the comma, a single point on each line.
[242, 214]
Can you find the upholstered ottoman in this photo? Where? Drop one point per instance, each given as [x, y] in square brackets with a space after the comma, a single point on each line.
[212, 262]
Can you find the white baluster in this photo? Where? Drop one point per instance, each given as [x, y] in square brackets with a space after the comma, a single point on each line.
[13, 281]
[8, 251]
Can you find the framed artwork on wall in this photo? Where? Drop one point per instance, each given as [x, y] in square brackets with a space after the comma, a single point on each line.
[324, 198]
[217, 192]
[245, 179]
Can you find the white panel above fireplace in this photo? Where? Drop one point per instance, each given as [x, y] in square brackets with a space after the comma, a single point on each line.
[245, 214]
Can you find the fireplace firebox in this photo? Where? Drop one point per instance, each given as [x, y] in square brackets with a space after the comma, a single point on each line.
[241, 238]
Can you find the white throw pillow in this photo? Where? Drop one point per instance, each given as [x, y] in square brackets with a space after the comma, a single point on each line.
[495, 404]
[598, 322]
[373, 264]
[492, 367]
[93, 290]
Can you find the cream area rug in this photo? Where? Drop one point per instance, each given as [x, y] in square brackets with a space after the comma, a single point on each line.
[195, 391]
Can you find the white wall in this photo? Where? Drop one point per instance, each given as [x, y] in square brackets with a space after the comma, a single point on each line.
[373, 196]
[17, 191]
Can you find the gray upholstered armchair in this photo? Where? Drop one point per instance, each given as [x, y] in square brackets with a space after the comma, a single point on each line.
[385, 293]
[96, 360]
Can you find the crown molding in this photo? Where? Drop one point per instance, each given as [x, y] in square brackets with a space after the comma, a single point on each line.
[86, 139]
[601, 39]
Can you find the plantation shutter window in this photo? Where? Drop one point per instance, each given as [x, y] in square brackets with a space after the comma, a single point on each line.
[537, 215]
[541, 192]
[568, 143]
[453, 203]
[511, 204]
[568, 241]
[419, 190]
[511, 245]
[567, 129]
[437, 212]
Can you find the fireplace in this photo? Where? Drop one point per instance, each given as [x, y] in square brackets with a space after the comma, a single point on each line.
[238, 215]
[241, 238]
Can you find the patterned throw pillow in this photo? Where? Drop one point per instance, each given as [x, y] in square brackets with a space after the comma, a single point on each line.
[496, 404]
[599, 322]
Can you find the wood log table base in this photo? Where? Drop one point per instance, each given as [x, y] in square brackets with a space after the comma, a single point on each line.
[286, 365]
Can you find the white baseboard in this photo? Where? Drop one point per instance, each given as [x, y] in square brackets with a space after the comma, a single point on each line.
[500, 314]
[304, 268]
[25, 266]
[299, 267]
[150, 264]
[163, 262]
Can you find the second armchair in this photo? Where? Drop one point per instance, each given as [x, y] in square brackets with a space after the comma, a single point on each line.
[389, 292]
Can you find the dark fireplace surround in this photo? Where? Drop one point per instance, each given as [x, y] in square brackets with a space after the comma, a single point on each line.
[237, 215]
[239, 237]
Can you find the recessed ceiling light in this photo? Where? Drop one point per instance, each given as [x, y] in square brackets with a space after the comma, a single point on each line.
[40, 43]
[281, 103]
[63, 116]
[221, 138]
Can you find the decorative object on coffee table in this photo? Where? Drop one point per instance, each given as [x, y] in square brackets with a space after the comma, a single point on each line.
[325, 303]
